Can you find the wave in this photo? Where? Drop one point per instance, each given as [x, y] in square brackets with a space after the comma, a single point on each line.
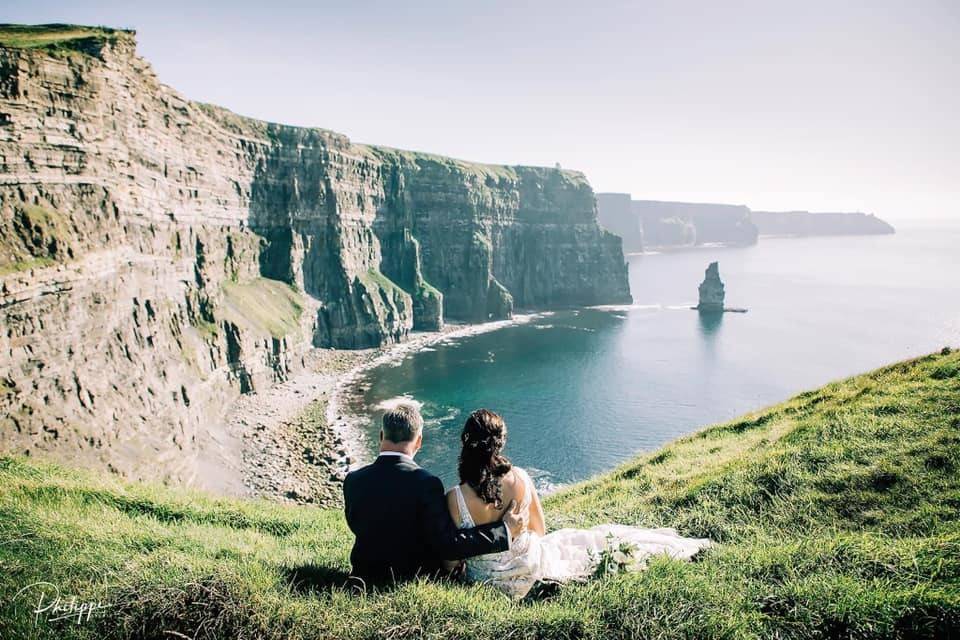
[393, 403]
[345, 412]
[627, 307]
[615, 308]
[543, 481]
[436, 418]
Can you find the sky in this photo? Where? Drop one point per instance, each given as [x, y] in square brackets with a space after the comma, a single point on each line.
[818, 105]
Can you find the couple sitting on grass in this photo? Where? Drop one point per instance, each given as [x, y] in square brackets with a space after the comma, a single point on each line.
[489, 528]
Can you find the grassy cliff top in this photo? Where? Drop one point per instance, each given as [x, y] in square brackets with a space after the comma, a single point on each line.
[59, 37]
[836, 514]
[481, 170]
[71, 38]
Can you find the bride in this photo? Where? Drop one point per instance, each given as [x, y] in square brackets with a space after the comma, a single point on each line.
[488, 482]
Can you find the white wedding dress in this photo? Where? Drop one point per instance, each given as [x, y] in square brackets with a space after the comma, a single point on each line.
[568, 554]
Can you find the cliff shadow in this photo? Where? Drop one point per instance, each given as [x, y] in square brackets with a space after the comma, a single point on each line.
[293, 209]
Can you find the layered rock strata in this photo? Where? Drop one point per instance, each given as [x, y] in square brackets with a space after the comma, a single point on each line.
[161, 256]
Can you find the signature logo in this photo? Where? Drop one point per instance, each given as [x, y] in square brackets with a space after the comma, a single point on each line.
[52, 606]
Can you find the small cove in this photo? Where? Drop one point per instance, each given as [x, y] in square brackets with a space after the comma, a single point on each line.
[583, 390]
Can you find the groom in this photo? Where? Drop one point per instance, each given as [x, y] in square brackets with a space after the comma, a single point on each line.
[398, 511]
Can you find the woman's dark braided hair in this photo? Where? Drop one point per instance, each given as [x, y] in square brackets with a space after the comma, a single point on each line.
[482, 465]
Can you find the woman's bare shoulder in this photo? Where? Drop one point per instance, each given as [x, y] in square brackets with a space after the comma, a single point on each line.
[513, 485]
[516, 477]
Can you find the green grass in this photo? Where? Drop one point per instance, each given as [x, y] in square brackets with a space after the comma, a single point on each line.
[482, 172]
[375, 280]
[39, 237]
[208, 330]
[49, 222]
[835, 512]
[427, 290]
[267, 305]
[19, 266]
[58, 38]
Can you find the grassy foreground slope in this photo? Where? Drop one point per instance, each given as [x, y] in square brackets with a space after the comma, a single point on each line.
[836, 514]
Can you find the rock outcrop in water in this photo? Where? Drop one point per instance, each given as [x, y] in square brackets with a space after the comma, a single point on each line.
[711, 290]
[654, 224]
[160, 256]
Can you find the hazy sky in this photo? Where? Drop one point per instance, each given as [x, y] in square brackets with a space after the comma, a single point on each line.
[829, 105]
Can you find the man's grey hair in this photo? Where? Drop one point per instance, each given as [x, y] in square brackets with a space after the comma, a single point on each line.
[402, 423]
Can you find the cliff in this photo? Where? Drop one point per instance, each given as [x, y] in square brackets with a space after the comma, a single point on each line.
[835, 516]
[805, 223]
[615, 212]
[688, 224]
[659, 224]
[160, 256]
[653, 223]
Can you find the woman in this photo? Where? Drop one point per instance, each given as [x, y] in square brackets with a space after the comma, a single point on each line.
[488, 481]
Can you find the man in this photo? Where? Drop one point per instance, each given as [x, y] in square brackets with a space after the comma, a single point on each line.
[398, 511]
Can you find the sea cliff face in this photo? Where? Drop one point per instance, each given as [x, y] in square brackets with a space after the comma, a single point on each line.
[161, 256]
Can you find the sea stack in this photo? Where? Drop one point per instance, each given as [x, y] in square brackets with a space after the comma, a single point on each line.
[711, 290]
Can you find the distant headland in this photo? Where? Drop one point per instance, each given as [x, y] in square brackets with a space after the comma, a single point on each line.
[654, 224]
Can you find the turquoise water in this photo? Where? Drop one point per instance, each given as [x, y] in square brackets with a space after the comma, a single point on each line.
[583, 390]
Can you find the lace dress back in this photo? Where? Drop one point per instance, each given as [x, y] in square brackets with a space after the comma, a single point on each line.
[513, 571]
[567, 554]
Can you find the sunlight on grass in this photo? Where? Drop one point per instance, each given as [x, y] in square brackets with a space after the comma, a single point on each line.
[269, 306]
[836, 512]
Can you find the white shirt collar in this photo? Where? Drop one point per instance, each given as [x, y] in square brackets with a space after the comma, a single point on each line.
[396, 453]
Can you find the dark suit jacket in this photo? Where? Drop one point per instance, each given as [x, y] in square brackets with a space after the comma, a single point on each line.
[398, 513]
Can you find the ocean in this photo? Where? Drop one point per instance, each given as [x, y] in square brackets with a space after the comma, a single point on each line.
[584, 390]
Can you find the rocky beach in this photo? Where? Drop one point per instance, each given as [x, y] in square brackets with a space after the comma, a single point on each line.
[295, 441]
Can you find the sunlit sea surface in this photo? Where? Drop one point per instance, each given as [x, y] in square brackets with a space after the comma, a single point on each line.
[584, 390]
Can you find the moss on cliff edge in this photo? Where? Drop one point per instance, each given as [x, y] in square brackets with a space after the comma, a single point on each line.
[373, 280]
[836, 513]
[268, 305]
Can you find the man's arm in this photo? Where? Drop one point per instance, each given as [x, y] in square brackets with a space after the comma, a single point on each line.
[347, 502]
[449, 542]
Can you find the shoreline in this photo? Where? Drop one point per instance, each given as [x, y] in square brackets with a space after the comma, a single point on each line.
[296, 439]
[345, 425]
